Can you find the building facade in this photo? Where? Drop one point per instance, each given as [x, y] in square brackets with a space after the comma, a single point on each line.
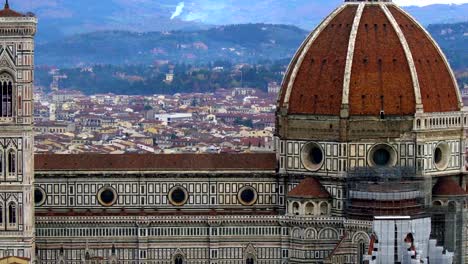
[368, 167]
[16, 134]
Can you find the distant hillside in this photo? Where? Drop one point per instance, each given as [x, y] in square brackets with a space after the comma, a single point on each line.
[60, 18]
[248, 43]
[236, 43]
[453, 39]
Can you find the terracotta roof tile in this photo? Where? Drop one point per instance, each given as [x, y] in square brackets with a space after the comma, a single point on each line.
[446, 186]
[7, 12]
[381, 77]
[438, 90]
[151, 162]
[309, 188]
[318, 87]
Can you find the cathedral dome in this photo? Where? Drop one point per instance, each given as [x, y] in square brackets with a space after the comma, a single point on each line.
[369, 58]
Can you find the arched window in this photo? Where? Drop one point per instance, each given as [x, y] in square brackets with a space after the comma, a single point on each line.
[179, 260]
[11, 162]
[361, 252]
[324, 208]
[12, 214]
[295, 208]
[6, 102]
[249, 261]
[452, 206]
[309, 209]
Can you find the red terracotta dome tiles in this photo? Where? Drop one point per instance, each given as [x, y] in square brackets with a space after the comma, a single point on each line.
[438, 90]
[388, 64]
[318, 85]
[380, 76]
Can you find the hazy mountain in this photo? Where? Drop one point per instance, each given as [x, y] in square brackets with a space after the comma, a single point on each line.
[236, 43]
[67, 17]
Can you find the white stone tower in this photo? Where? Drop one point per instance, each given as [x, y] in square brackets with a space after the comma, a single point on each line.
[16, 133]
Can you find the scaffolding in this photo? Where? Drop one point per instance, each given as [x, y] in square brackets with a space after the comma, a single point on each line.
[384, 191]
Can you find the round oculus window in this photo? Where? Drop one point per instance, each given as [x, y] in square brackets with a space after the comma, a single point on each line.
[247, 195]
[39, 196]
[312, 156]
[178, 196]
[107, 196]
[441, 156]
[316, 155]
[382, 155]
[437, 155]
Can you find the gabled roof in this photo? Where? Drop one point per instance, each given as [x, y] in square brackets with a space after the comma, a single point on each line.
[446, 186]
[309, 188]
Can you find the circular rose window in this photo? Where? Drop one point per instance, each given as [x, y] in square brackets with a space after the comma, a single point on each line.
[178, 196]
[107, 196]
[247, 195]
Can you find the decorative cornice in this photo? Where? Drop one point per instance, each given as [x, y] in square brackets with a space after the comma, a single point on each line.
[28, 19]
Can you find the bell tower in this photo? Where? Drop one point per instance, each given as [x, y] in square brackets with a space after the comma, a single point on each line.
[17, 231]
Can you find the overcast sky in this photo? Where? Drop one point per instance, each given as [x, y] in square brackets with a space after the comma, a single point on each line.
[428, 2]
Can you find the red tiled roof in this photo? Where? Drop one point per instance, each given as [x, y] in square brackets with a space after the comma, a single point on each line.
[124, 212]
[7, 12]
[151, 162]
[309, 188]
[446, 186]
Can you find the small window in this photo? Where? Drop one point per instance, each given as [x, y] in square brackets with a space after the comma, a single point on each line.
[1, 215]
[382, 155]
[309, 209]
[178, 260]
[39, 196]
[107, 196]
[6, 100]
[441, 156]
[323, 208]
[11, 162]
[295, 208]
[12, 214]
[247, 195]
[178, 196]
[312, 156]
